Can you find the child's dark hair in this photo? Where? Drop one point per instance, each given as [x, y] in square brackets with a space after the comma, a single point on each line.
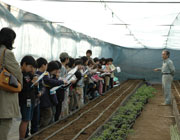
[89, 51]
[28, 60]
[41, 61]
[53, 65]
[59, 64]
[78, 62]
[96, 59]
[110, 60]
[71, 62]
[84, 59]
[63, 59]
[102, 60]
[107, 60]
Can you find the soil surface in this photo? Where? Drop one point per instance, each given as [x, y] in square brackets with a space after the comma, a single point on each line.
[177, 94]
[155, 120]
[74, 128]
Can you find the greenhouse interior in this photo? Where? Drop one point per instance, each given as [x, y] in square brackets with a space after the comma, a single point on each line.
[90, 70]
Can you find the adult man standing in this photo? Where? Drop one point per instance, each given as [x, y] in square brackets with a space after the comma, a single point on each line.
[168, 71]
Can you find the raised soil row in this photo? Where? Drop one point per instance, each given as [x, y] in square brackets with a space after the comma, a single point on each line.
[73, 129]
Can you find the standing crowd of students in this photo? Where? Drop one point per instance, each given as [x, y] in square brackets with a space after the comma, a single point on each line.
[41, 107]
[75, 82]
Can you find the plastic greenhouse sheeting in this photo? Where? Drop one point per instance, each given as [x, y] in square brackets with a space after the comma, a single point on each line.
[134, 25]
[49, 40]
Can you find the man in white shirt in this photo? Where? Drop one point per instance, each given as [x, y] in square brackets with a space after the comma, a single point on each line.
[168, 71]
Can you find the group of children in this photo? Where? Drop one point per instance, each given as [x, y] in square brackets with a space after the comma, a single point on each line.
[53, 90]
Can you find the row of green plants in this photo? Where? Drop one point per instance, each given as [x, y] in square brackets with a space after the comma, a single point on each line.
[121, 123]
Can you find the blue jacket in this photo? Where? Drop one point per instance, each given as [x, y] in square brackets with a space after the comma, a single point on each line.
[47, 100]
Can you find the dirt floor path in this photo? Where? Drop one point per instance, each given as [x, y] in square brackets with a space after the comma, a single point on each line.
[155, 121]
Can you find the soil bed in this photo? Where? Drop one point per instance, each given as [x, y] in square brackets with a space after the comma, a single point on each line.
[69, 132]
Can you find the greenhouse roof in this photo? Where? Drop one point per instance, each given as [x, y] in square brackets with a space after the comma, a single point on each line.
[134, 24]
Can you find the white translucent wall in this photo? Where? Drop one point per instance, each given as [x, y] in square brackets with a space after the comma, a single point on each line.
[148, 24]
[46, 40]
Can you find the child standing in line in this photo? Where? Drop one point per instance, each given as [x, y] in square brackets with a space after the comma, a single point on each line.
[79, 84]
[48, 100]
[64, 58]
[27, 95]
[41, 68]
